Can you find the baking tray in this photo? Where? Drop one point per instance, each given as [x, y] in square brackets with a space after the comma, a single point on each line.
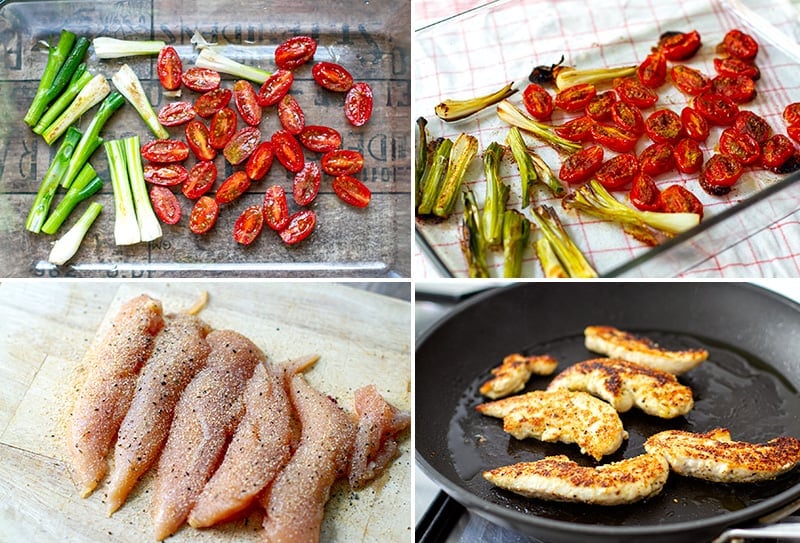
[481, 50]
[371, 39]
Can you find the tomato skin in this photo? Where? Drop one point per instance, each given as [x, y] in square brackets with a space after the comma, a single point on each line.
[791, 113]
[320, 139]
[211, 102]
[245, 99]
[295, 52]
[739, 146]
[165, 151]
[719, 174]
[739, 45]
[628, 118]
[299, 226]
[576, 97]
[342, 162]
[753, 125]
[657, 158]
[242, 145]
[198, 138]
[578, 130]
[733, 66]
[233, 187]
[681, 46]
[165, 204]
[694, 125]
[777, 150]
[260, 161]
[613, 138]
[275, 88]
[201, 79]
[579, 167]
[644, 193]
[288, 151]
[291, 115]
[165, 175]
[679, 199]
[689, 80]
[739, 89]
[351, 191]
[204, 215]
[599, 107]
[688, 156]
[652, 72]
[717, 109]
[223, 127]
[633, 93]
[538, 102]
[201, 178]
[358, 104]
[306, 184]
[793, 130]
[169, 68]
[275, 208]
[248, 226]
[618, 172]
[176, 113]
[664, 125]
[332, 76]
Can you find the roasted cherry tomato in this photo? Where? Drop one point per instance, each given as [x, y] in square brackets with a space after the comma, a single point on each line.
[245, 98]
[577, 130]
[719, 174]
[618, 172]
[599, 107]
[288, 151]
[776, 152]
[291, 115]
[678, 199]
[613, 138]
[689, 80]
[201, 79]
[306, 184]
[537, 101]
[275, 88]
[165, 175]
[579, 167]
[176, 113]
[165, 151]
[331, 76]
[680, 46]
[694, 125]
[223, 127]
[652, 71]
[299, 227]
[717, 109]
[165, 204]
[644, 193]
[295, 52]
[739, 146]
[260, 161]
[351, 191]
[576, 97]
[211, 102]
[791, 113]
[628, 118]
[739, 45]
[688, 156]
[342, 162]
[169, 68]
[753, 125]
[664, 125]
[276, 210]
[793, 130]
[248, 226]
[202, 177]
[199, 140]
[738, 88]
[358, 104]
[734, 66]
[242, 145]
[632, 92]
[233, 187]
[320, 139]
[657, 159]
[204, 215]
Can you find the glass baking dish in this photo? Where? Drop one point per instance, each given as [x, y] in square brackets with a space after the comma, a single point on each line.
[371, 39]
[481, 50]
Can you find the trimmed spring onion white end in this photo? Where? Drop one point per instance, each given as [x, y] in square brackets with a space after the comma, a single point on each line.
[105, 47]
[66, 247]
[129, 85]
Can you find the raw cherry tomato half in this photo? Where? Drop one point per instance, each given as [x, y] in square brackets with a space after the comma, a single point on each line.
[295, 52]
[680, 46]
[688, 156]
[242, 145]
[739, 45]
[202, 177]
[351, 191]
[342, 162]
[288, 151]
[260, 161]
[791, 113]
[291, 115]
[165, 175]
[248, 226]
[753, 125]
[320, 139]
[644, 193]
[738, 88]
[198, 138]
[211, 102]
[331, 76]
[694, 125]
[678, 199]
[204, 215]
[776, 152]
[734, 66]
[652, 72]
[165, 204]
[276, 210]
[576, 97]
[739, 146]
[299, 226]
[578, 130]
[233, 187]
[306, 184]
[657, 159]
[537, 101]
[689, 80]
[719, 174]
[664, 125]
[201, 79]
[717, 109]
[358, 104]
[245, 98]
[223, 127]
[633, 93]
[176, 113]
[579, 167]
[599, 107]
[618, 172]
[613, 138]
[165, 151]
[628, 118]
[169, 68]
[275, 88]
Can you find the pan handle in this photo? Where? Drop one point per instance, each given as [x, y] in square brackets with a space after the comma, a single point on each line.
[788, 531]
[439, 519]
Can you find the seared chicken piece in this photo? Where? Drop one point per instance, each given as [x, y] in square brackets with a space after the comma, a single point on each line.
[618, 344]
[625, 384]
[514, 372]
[714, 457]
[557, 478]
[561, 415]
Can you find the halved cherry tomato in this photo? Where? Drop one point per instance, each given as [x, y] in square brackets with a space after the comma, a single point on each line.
[351, 191]
[276, 210]
[245, 98]
[739, 146]
[694, 125]
[657, 159]
[652, 71]
[202, 177]
[306, 184]
[176, 113]
[613, 138]
[299, 227]
[358, 104]
[288, 151]
[632, 92]
[628, 118]
[198, 138]
[580, 166]
[644, 193]
[165, 151]
[679, 199]
[753, 125]
[734, 66]
[204, 215]
[717, 109]
[577, 130]
[688, 156]
[719, 174]
[233, 187]
[275, 88]
[537, 101]
[793, 130]
[291, 115]
[320, 139]
[664, 125]
[599, 107]
[169, 68]
[689, 80]
[776, 152]
[242, 145]
[165, 175]
[618, 172]
[201, 79]
[738, 88]
[211, 102]
[295, 52]
[248, 226]
[342, 162]
[331, 76]
[680, 46]
[791, 113]
[260, 161]
[576, 97]
[739, 45]
[165, 204]
[223, 127]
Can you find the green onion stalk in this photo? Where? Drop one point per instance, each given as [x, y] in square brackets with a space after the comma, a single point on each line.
[56, 56]
[455, 110]
[126, 227]
[208, 58]
[66, 247]
[462, 152]
[527, 171]
[79, 80]
[85, 185]
[548, 259]
[434, 177]
[494, 205]
[105, 47]
[512, 115]
[473, 244]
[546, 176]
[149, 227]
[568, 253]
[421, 159]
[516, 232]
[89, 96]
[126, 82]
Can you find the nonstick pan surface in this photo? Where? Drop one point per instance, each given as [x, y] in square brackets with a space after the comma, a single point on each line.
[749, 384]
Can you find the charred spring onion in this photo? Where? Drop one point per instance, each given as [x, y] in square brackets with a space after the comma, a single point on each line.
[571, 258]
[473, 244]
[512, 115]
[516, 231]
[434, 177]
[494, 205]
[455, 110]
[462, 152]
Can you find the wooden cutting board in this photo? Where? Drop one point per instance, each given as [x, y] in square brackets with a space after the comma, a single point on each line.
[362, 338]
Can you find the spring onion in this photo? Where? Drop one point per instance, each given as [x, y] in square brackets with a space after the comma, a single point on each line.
[571, 258]
[568, 76]
[79, 80]
[494, 205]
[462, 152]
[92, 94]
[105, 47]
[455, 110]
[516, 231]
[473, 245]
[527, 171]
[208, 58]
[126, 227]
[434, 177]
[56, 56]
[546, 175]
[149, 227]
[85, 185]
[421, 147]
[66, 247]
[129, 85]
[551, 267]
[515, 117]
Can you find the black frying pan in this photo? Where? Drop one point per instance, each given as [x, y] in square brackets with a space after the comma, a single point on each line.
[749, 384]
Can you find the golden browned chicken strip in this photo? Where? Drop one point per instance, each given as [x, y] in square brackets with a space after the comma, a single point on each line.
[618, 344]
[180, 351]
[205, 418]
[514, 372]
[557, 478]
[112, 364]
[625, 384]
[260, 447]
[714, 457]
[295, 502]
